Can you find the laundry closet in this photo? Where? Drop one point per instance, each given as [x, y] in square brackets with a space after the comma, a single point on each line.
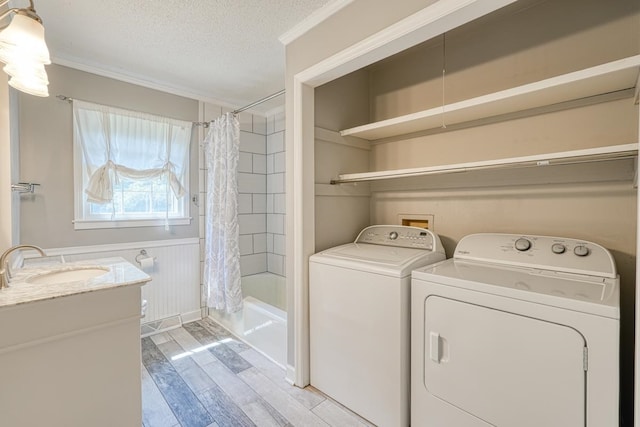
[522, 121]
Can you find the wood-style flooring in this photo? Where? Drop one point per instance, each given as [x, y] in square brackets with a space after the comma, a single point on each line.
[202, 376]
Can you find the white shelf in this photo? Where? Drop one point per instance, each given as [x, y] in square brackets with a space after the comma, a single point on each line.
[611, 152]
[606, 78]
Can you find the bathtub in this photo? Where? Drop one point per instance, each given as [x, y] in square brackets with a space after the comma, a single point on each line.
[262, 322]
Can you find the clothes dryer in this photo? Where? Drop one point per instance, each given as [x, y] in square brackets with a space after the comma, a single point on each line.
[359, 301]
[516, 331]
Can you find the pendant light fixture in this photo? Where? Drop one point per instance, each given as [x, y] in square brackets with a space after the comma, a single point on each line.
[24, 51]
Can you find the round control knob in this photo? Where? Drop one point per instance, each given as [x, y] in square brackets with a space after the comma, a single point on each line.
[581, 250]
[558, 248]
[393, 235]
[523, 244]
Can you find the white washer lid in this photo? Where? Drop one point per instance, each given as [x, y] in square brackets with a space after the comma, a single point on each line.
[380, 259]
[588, 294]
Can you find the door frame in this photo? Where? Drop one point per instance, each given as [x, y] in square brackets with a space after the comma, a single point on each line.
[430, 22]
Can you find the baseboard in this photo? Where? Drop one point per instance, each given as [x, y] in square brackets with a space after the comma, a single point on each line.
[161, 325]
[168, 323]
[290, 375]
[191, 316]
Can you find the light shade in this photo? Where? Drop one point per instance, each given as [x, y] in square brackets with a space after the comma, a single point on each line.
[28, 85]
[23, 49]
[23, 40]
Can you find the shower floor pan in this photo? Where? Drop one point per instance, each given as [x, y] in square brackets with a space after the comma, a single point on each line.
[262, 326]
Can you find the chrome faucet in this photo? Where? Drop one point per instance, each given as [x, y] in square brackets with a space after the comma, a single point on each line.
[4, 263]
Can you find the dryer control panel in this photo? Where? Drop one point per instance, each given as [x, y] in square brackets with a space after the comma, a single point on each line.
[541, 252]
[400, 236]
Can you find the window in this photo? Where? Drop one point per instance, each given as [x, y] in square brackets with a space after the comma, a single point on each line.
[131, 169]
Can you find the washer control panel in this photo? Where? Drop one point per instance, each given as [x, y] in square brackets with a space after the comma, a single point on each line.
[542, 252]
[397, 235]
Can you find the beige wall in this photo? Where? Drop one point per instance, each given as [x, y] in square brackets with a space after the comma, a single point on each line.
[6, 239]
[46, 157]
[590, 126]
[338, 105]
[527, 41]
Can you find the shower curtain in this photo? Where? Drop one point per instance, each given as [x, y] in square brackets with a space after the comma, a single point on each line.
[222, 251]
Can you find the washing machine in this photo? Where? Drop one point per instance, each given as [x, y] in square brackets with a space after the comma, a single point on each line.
[359, 301]
[516, 331]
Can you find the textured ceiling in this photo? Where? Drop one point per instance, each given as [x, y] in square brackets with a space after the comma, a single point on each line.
[224, 50]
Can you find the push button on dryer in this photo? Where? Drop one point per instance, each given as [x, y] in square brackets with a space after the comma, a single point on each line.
[523, 245]
[581, 250]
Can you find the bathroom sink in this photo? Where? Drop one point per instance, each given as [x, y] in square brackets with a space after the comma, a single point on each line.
[72, 274]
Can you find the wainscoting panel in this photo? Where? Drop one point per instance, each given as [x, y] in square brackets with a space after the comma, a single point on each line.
[175, 286]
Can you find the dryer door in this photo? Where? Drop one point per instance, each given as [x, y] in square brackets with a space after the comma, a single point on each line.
[506, 369]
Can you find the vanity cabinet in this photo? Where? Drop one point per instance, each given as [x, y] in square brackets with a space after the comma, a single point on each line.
[72, 360]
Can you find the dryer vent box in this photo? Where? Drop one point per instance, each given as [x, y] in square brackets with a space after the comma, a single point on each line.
[417, 220]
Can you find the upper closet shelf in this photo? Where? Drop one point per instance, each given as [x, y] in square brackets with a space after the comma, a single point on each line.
[612, 152]
[610, 77]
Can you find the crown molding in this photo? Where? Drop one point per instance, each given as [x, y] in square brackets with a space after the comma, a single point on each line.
[312, 20]
[139, 80]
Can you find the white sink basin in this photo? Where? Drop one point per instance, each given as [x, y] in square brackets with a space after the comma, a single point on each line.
[72, 274]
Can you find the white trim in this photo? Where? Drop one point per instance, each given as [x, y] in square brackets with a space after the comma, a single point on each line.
[588, 154]
[335, 137]
[423, 25]
[304, 222]
[191, 316]
[90, 224]
[161, 325]
[313, 20]
[607, 78]
[290, 374]
[72, 250]
[419, 27]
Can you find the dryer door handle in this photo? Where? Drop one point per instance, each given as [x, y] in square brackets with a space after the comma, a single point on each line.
[434, 346]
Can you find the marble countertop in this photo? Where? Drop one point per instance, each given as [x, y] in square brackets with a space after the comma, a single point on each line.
[20, 291]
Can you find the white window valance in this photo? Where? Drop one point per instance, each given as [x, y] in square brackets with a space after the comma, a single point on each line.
[123, 143]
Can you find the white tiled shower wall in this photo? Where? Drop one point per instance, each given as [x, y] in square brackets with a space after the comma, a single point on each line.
[261, 188]
[275, 193]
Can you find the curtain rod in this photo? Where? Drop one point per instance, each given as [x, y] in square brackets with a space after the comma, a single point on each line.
[70, 101]
[206, 124]
[258, 102]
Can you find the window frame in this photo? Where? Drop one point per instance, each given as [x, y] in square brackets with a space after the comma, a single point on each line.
[83, 221]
